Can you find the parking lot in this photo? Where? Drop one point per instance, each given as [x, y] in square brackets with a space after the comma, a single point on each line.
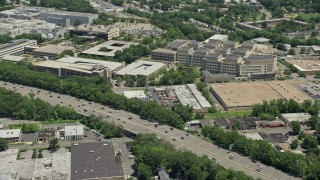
[134, 124]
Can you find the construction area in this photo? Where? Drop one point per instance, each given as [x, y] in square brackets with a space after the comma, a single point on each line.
[242, 95]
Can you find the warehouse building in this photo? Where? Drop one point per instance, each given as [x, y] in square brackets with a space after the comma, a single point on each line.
[139, 94]
[142, 68]
[108, 49]
[303, 118]
[163, 55]
[11, 135]
[67, 18]
[101, 161]
[49, 51]
[95, 32]
[15, 47]
[73, 66]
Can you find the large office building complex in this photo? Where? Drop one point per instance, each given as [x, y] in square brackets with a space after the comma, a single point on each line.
[219, 55]
[16, 47]
[163, 54]
[67, 18]
[71, 66]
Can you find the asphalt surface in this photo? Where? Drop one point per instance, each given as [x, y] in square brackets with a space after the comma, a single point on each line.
[178, 138]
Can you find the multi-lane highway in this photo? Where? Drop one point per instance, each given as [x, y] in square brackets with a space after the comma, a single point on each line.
[180, 139]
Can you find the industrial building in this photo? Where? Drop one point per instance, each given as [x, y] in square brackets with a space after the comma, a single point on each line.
[69, 66]
[303, 118]
[190, 95]
[49, 51]
[67, 18]
[111, 46]
[95, 31]
[101, 161]
[163, 55]
[142, 68]
[16, 47]
[238, 95]
[307, 64]
[139, 94]
[11, 135]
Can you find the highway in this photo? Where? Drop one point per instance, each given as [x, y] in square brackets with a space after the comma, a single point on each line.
[180, 139]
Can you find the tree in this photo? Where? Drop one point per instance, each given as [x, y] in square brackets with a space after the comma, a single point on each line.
[3, 144]
[40, 154]
[34, 154]
[295, 127]
[199, 115]
[294, 144]
[314, 122]
[292, 52]
[33, 2]
[53, 145]
[144, 172]
[309, 142]
[65, 53]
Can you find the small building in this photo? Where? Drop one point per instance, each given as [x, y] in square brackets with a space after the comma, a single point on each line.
[11, 135]
[303, 118]
[73, 132]
[49, 51]
[48, 134]
[29, 138]
[139, 94]
[275, 137]
[95, 160]
[12, 58]
[253, 136]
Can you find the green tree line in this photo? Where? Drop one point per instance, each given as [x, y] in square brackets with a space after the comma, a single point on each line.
[151, 154]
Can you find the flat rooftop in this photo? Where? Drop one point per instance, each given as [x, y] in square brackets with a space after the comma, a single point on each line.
[52, 49]
[12, 58]
[163, 50]
[186, 97]
[112, 46]
[134, 94]
[70, 13]
[10, 133]
[306, 65]
[84, 61]
[95, 28]
[95, 160]
[246, 94]
[198, 95]
[143, 68]
[260, 57]
[300, 117]
[217, 37]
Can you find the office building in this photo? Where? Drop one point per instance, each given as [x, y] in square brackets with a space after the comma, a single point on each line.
[141, 68]
[198, 56]
[15, 47]
[95, 160]
[163, 55]
[73, 66]
[218, 37]
[12, 58]
[49, 51]
[195, 44]
[67, 18]
[108, 49]
[184, 55]
[213, 63]
[11, 135]
[95, 31]
[224, 50]
[213, 78]
[230, 64]
[259, 66]
[176, 44]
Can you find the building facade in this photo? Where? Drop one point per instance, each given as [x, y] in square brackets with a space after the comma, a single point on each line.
[16, 47]
[163, 55]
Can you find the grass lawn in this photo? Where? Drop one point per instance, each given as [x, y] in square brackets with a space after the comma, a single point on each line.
[227, 114]
[307, 17]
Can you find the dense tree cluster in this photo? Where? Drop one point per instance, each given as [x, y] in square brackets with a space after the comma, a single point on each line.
[70, 5]
[296, 164]
[132, 53]
[289, 26]
[273, 108]
[3, 144]
[151, 154]
[90, 88]
[34, 36]
[180, 75]
[5, 38]
[203, 88]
